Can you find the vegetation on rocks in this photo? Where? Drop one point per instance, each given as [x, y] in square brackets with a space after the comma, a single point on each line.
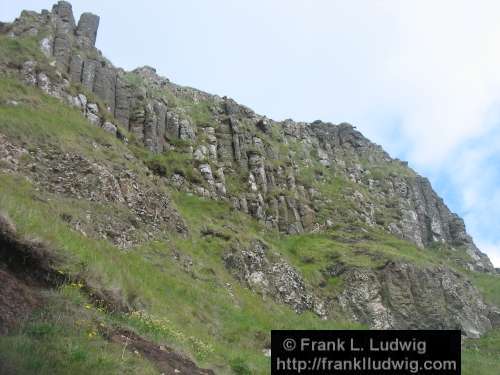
[178, 219]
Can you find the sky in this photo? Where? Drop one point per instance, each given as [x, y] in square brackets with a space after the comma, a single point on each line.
[421, 78]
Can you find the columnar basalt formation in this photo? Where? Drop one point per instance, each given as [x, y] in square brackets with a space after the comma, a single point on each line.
[318, 178]
[86, 31]
[285, 174]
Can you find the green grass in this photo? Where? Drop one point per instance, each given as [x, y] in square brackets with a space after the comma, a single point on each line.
[489, 285]
[482, 356]
[40, 120]
[133, 79]
[193, 303]
[196, 304]
[62, 338]
[200, 113]
[355, 247]
[237, 182]
[169, 163]
[16, 51]
[381, 171]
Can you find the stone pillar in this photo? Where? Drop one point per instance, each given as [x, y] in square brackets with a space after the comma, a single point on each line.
[65, 28]
[86, 31]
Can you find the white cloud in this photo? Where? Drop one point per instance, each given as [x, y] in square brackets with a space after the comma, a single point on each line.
[443, 79]
[445, 74]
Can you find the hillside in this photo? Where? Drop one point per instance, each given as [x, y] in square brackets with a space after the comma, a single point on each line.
[147, 227]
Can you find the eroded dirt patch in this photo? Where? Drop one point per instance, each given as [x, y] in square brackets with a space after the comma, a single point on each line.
[17, 301]
[168, 361]
[25, 268]
[28, 260]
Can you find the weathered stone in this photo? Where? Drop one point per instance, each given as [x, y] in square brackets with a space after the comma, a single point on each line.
[290, 176]
[46, 45]
[258, 172]
[76, 68]
[426, 219]
[74, 176]
[109, 127]
[263, 125]
[88, 73]
[93, 108]
[122, 101]
[83, 102]
[43, 82]
[150, 127]
[307, 216]
[62, 50]
[404, 296]
[172, 125]
[160, 110]
[201, 153]
[276, 279]
[65, 26]
[186, 130]
[92, 114]
[137, 119]
[206, 172]
[28, 73]
[87, 30]
[104, 85]
[224, 142]
[94, 119]
[64, 12]
[231, 107]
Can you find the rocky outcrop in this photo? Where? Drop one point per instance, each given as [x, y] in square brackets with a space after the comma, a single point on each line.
[86, 31]
[294, 177]
[274, 278]
[64, 28]
[148, 212]
[404, 296]
[425, 219]
[396, 296]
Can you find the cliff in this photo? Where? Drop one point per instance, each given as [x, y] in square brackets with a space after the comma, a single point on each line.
[312, 216]
[277, 169]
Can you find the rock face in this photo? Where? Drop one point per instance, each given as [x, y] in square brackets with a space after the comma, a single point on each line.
[397, 296]
[86, 31]
[146, 209]
[274, 171]
[293, 177]
[276, 279]
[403, 296]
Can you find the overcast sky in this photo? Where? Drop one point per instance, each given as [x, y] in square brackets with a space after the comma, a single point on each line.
[421, 78]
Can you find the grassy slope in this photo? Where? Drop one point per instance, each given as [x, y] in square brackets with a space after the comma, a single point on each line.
[192, 311]
[482, 356]
[62, 338]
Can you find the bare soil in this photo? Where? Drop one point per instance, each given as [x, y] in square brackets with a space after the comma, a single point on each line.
[17, 301]
[168, 361]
